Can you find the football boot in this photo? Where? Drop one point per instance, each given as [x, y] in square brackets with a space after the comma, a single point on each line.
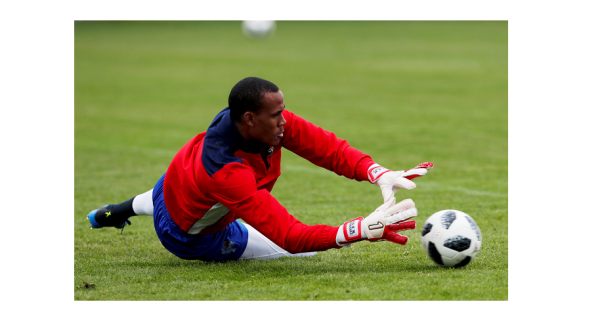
[103, 217]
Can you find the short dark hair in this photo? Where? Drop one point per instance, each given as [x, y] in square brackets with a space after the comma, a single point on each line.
[247, 95]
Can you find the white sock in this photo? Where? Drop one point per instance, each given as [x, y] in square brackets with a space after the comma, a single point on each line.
[142, 204]
[260, 247]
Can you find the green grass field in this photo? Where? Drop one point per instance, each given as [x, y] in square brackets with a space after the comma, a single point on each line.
[403, 92]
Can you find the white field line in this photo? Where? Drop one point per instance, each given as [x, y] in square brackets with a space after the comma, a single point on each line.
[442, 187]
[425, 185]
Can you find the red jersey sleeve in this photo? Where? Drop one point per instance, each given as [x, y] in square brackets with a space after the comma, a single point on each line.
[236, 188]
[324, 148]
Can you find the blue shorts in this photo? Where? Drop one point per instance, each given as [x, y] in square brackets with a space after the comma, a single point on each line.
[228, 244]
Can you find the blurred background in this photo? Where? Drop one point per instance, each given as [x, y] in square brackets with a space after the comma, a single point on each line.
[404, 92]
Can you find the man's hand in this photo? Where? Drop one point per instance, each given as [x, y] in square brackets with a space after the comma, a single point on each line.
[382, 225]
[390, 181]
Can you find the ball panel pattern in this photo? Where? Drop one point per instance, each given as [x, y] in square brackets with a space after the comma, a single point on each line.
[458, 243]
[434, 254]
[474, 226]
[426, 229]
[448, 218]
[463, 263]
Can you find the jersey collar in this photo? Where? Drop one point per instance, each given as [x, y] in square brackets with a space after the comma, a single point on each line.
[225, 127]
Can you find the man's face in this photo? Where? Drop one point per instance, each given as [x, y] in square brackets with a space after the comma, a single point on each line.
[268, 120]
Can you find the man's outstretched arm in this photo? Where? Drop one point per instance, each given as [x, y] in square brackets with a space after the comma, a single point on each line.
[235, 187]
[258, 208]
[325, 149]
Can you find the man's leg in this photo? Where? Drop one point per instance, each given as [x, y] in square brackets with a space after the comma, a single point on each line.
[117, 215]
[260, 247]
[142, 204]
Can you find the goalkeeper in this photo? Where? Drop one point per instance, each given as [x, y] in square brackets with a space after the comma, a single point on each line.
[228, 172]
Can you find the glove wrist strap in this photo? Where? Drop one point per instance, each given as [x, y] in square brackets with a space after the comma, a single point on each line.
[375, 171]
[353, 230]
[350, 231]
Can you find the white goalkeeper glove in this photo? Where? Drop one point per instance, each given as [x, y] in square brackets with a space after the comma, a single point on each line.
[390, 181]
[382, 225]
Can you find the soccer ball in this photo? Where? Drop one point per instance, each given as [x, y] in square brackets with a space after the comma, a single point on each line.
[258, 28]
[451, 238]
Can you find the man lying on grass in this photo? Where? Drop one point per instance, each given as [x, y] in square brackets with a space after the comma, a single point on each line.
[228, 172]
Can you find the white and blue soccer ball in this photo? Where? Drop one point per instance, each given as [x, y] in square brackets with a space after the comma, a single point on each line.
[451, 238]
[258, 28]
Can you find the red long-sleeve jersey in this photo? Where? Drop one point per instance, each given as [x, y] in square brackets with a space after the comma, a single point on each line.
[218, 177]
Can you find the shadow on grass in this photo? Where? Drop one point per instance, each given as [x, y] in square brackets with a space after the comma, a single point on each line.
[284, 267]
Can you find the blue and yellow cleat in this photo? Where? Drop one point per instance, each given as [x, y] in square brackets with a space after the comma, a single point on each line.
[92, 218]
[103, 218]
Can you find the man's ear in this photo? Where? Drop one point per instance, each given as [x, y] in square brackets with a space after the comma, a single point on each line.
[248, 118]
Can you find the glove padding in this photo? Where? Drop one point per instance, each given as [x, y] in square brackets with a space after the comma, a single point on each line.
[381, 225]
[390, 181]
